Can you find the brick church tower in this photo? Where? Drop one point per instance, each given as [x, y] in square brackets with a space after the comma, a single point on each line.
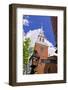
[41, 63]
[40, 46]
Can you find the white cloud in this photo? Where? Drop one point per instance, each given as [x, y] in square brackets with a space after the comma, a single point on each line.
[51, 51]
[33, 35]
[25, 22]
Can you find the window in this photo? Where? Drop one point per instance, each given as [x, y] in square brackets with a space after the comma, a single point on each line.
[40, 38]
[43, 40]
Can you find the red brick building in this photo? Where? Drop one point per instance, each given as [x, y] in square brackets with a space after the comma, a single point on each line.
[41, 63]
[42, 49]
[46, 64]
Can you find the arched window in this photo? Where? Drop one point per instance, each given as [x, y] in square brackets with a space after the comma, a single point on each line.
[42, 39]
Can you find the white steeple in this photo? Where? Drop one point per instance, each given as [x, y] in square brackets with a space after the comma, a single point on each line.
[41, 35]
[41, 38]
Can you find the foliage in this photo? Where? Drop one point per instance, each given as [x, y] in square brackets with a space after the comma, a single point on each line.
[26, 53]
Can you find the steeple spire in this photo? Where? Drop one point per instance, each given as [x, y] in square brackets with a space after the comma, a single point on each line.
[41, 35]
[41, 26]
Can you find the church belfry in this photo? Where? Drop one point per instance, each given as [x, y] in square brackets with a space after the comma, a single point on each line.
[41, 36]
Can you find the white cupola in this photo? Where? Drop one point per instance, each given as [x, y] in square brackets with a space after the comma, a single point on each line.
[41, 36]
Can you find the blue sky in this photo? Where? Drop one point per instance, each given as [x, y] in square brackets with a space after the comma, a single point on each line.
[35, 22]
